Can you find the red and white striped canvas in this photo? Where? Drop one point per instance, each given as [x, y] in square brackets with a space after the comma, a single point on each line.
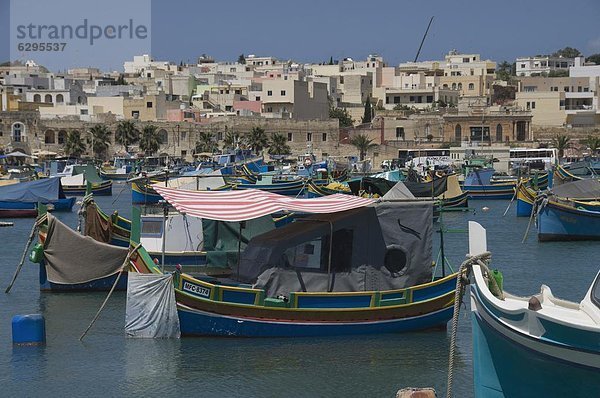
[252, 203]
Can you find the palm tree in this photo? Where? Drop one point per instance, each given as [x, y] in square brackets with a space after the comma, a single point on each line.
[561, 142]
[231, 140]
[127, 133]
[278, 145]
[257, 139]
[100, 140]
[593, 143]
[363, 144]
[206, 142]
[150, 139]
[74, 145]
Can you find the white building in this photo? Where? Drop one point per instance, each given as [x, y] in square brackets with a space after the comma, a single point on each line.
[527, 66]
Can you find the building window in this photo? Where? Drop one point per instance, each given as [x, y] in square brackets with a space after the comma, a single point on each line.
[60, 99]
[149, 104]
[324, 137]
[269, 93]
[269, 109]
[282, 92]
[480, 134]
[37, 98]
[62, 137]
[49, 137]
[429, 99]
[453, 86]
[135, 114]
[309, 137]
[400, 133]
[163, 136]
[499, 133]
[533, 105]
[459, 86]
[566, 89]
[457, 133]
[290, 137]
[257, 98]
[396, 99]
[528, 107]
[471, 86]
[183, 153]
[18, 132]
[48, 99]
[324, 155]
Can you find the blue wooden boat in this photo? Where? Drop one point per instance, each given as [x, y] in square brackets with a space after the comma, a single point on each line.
[76, 182]
[534, 346]
[478, 183]
[266, 183]
[302, 279]
[559, 222]
[23, 198]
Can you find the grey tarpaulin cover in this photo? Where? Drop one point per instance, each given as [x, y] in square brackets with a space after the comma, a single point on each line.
[399, 191]
[383, 246]
[151, 308]
[74, 258]
[588, 188]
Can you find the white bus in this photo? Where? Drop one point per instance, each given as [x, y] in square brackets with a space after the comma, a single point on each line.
[541, 158]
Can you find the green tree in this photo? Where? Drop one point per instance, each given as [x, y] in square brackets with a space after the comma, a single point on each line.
[121, 80]
[368, 115]
[74, 145]
[99, 141]
[242, 59]
[278, 145]
[342, 115]
[127, 133]
[557, 73]
[567, 52]
[150, 140]
[561, 142]
[257, 139]
[595, 58]
[231, 140]
[593, 143]
[206, 142]
[504, 71]
[330, 60]
[363, 144]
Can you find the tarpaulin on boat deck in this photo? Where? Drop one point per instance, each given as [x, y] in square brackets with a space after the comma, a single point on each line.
[251, 203]
[45, 191]
[370, 185]
[90, 172]
[581, 189]
[73, 258]
[221, 238]
[428, 189]
[399, 191]
[452, 188]
[151, 309]
[96, 226]
[384, 246]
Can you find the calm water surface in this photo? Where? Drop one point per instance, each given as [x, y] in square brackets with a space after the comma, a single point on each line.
[107, 364]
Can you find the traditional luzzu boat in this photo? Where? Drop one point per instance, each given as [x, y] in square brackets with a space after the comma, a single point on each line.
[143, 193]
[22, 199]
[320, 276]
[569, 211]
[75, 184]
[121, 171]
[536, 346]
[478, 184]
[526, 197]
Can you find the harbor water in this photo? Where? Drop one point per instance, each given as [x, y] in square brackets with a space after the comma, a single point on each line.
[108, 364]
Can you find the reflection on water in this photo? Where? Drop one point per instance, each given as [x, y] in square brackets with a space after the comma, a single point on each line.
[109, 364]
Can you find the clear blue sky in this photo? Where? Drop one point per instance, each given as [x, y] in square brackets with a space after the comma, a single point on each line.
[312, 31]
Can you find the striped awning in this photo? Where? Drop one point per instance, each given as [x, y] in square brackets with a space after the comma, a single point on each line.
[252, 203]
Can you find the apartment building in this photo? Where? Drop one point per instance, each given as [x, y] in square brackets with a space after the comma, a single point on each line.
[528, 66]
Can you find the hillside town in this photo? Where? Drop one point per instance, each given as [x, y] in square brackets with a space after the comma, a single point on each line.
[156, 107]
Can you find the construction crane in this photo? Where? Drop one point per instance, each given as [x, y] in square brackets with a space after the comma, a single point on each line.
[423, 40]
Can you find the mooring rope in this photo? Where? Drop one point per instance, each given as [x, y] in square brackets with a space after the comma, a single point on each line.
[461, 281]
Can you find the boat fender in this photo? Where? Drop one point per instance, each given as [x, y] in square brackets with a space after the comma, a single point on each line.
[37, 253]
[282, 297]
[534, 304]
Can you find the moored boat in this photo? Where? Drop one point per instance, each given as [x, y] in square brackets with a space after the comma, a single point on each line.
[22, 199]
[537, 345]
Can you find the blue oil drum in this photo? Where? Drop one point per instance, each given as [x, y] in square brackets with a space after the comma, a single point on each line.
[29, 329]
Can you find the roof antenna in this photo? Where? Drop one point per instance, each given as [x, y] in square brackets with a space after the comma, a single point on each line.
[423, 40]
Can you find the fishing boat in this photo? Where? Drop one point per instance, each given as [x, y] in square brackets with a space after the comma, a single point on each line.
[526, 198]
[22, 199]
[561, 214]
[533, 346]
[562, 175]
[143, 193]
[266, 183]
[122, 169]
[319, 276]
[478, 183]
[77, 177]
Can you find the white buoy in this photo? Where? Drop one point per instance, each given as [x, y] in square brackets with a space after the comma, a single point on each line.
[485, 208]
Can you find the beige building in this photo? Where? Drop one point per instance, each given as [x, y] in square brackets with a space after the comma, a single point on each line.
[294, 99]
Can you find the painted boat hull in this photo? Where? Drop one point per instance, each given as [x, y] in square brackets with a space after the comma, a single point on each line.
[18, 213]
[141, 194]
[199, 323]
[115, 176]
[495, 191]
[513, 364]
[557, 222]
[102, 189]
[102, 284]
[65, 204]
